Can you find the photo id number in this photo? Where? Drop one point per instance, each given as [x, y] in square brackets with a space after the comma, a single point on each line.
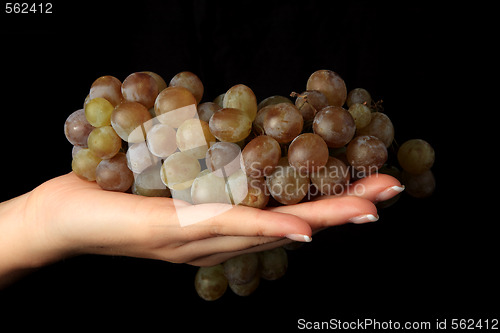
[28, 8]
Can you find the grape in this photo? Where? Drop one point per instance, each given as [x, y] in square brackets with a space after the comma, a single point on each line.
[260, 156]
[184, 195]
[330, 84]
[310, 102]
[208, 188]
[283, 122]
[98, 112]
[160, 82]
[246, 289]
[241, 97]
[358, 95]
[271, 100]
[416, 156]
[174, 105]
[148, 183]
[219, 100]
[223, 158]
[179, 171]
[161, 140]
[258, 123]
[241, 269]
[77, 128]
[130, 121]
[287, 185]
[247, 191]
[194, 137]
[104, 142]
[141, 88]
[189, 81]
[114, 175]
[210, 282]
[308, 152]
[140, 158]
[335, 125]
[419, 185]
[366, 154]
[361, 114]
[381, 127]
[107, 87]
[206, 110]
[230, 125]
[332, 178]
[75, 150]
[273, 263]
[85, 163]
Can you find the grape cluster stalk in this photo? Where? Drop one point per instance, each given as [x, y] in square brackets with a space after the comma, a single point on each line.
[146, 137]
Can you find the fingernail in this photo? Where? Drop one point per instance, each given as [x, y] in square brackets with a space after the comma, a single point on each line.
[389, 193]
[364, 218]
[299, 238]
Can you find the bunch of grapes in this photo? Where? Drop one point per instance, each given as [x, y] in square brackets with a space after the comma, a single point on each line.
[152, 139]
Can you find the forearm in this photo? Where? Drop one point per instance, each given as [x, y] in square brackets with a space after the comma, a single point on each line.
[20, 250]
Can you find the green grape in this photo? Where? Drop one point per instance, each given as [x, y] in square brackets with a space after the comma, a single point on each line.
[361, 114]
[85, 163]
[104, 142]
[241, 269]
[114, 175]
[194, 137]
[416, 156]
[209, 188]
[189, 81]
[179, 171]
[330, 84]
[148, 183]
[245, 289]
[210, 282]
[98, 112]
[273, 263]
[243, 98]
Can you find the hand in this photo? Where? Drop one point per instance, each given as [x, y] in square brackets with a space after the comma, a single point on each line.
[68, 216]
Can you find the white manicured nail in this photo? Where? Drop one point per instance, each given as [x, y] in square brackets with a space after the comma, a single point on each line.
[364, 218]
[299, 238]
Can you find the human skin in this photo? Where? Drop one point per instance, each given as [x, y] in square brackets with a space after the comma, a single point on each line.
[67, 216]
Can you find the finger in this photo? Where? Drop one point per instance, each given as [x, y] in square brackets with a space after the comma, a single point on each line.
[377, 187]
[332, 211]
[243, 221]
[221, 244]
[218, 258]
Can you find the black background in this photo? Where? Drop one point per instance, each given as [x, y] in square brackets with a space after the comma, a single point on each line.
[423, 260]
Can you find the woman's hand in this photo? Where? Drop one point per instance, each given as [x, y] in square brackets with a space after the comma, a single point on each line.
[67, 216]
